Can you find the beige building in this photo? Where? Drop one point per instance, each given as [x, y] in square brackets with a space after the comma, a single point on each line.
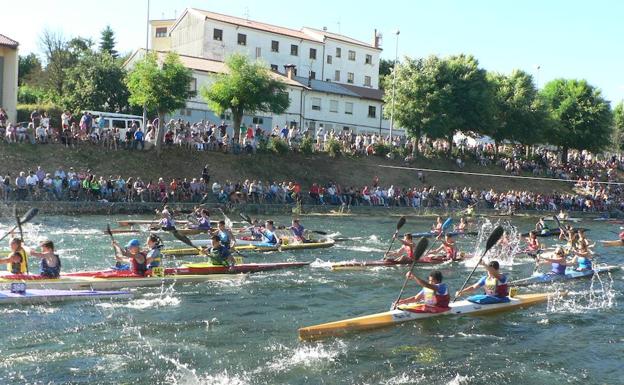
[159, 35]
[8, 76]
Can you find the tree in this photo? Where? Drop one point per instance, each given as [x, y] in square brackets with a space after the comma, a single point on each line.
[439, 97]
[519, 114]
[385, 70]
[107, 42]
[618, 125]
[160, 87]
[246, 88]
[582, 117]
[29, 69]
[96, 82]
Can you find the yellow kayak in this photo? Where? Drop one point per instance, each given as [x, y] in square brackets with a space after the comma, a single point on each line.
[257, 248]
[413, 312]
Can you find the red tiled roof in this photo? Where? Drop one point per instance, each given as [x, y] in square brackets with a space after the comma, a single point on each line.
[8, 42]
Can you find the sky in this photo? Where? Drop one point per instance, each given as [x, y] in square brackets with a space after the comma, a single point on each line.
[565, 39]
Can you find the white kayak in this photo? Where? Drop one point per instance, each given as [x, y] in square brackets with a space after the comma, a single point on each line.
[37, 296]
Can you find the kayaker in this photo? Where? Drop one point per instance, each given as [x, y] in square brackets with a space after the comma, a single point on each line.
[219, 254]
[154, 256]
[256, 230]
[541, 227]
[494, 283]
[562, 215]
[461, 227]
[298, 231]
[437, 226]
[166, 222]
[225, 236]
[403, 254]
[447, 250]
[533, 244]
[203, 221]
[268, 233]
[621, 236]
[50, 265]
[434, 295]
[17, 261]
[558, 262]
[582, 258]
[583, 240]
[131, 253]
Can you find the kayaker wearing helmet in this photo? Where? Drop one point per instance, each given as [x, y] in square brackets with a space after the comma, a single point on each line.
[434, 295]
[50, 265]
[131, 253]
[494, 283]
[403, 254]
[298, 231]
[558, 262]
[17, 261]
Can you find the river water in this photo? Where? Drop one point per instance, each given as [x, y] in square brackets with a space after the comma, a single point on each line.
[245, 332]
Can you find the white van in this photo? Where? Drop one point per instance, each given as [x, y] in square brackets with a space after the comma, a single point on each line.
[121, 121]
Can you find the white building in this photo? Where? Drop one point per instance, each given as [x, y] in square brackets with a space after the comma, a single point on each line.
[333, 80]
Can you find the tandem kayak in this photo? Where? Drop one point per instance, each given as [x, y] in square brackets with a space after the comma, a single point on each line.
[258, 248]
[110, 282]
[553, 232]
[431, 234]
[355, 265]
[37, 296]
[569, 275]
[414, 312]
[612, 243]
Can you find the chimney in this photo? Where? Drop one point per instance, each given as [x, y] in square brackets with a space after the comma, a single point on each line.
[375, 40]
[290, 70]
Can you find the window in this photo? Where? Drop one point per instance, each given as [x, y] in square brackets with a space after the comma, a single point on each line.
[351, 55]
[372, 111]
[338, 52]
[193, 85]
[257, 120]
[313, 53]
[274, 46]
[161, 32]
[274, 67]
[369, 59]
[367, 81]
[350, 77]
[226, 116]
[333, 106]
[217, 34]
[258, 53]
[242, 39]
[316, 104]
[337, 76]
[348, 108]
[312, 75]
[329, 59]
[294, 50]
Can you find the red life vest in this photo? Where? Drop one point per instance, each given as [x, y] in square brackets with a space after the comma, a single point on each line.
[139, 268]
[533, 243]
[433, 298]
[494, 287]
[450, 250]
[622, 236]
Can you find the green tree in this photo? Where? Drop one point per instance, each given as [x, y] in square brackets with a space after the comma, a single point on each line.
[618, 125]
[439, 97]
[107, 42]
[29, 67]
[582, 118]
[160, 87]
[246, 88]
[96, 82]
[385, 70]
[519, 114]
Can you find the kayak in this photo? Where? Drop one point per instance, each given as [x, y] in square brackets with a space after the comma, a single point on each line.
[575, 220]
[413, 312]
[113, 282]
[430, 234]
[569, 275]
[356, 265]
[612, 243]
[258, 248]
[554, 232]
[36, 296]
[132, 222]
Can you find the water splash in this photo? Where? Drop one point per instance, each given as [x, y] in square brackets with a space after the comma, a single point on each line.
[599, 296]
[309, 356]
[504, 251]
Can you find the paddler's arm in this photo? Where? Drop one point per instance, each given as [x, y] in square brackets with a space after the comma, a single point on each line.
[13, 258]
[421, 282]
[468, 289]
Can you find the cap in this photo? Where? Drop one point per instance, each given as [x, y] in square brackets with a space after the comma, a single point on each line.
[134, 243]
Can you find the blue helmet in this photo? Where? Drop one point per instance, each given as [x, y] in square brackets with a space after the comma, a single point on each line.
[134, 243]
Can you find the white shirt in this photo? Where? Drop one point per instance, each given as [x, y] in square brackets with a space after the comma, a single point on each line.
[32, 180]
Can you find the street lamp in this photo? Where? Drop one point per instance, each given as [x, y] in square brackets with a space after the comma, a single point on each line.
[146, 52]
[394, 68]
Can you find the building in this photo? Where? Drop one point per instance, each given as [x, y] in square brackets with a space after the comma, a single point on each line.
[8, 76]
[333, 80]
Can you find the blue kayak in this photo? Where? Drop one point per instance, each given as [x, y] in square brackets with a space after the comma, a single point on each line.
[430, 234]
[36, 296]
[570, 274]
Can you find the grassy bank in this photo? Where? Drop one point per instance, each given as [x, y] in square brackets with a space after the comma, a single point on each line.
[319, 168]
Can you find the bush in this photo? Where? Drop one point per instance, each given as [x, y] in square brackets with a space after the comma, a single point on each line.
[278, 146]
[31, 95]
[54, 112]
[333, 148]
[381, 149]
[307, 146]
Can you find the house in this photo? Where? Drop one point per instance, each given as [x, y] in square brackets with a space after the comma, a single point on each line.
[8, 76]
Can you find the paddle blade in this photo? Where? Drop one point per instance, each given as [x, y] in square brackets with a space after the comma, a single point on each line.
[447, 223]
[494, 237]
[245, 217]
[557, 220]
[422, 245]
[319, 232]
[400, 223]
[108, 231]
[30, 214]
[182, 238]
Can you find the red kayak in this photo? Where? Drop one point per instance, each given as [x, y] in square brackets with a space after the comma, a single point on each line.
[195, 269]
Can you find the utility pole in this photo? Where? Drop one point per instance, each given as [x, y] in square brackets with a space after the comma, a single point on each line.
[394, 68]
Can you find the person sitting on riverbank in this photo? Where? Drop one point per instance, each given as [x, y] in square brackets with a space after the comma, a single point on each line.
[50, 265]
[17, 261]
[434, 296]
[403, 254]
[494, 283]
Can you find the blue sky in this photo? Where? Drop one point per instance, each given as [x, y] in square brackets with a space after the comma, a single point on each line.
[571, 39]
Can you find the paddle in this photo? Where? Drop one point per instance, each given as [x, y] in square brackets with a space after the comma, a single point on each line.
[420, 249]
[246, 218]
[110, 234]
[494, 237]
[184, 239]
[399, 224]
[19, 225]
[30, 214]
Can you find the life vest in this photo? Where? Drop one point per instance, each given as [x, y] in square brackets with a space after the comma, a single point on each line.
[439, 297]
[298, 231]
[496, 288]
[224, 238]
[22, 266]
[167, 223]
[558, 268]
[204, 223]
[533, 244]
[139, 268]
[46, 270]
[450, 250]
[270, 237]
[622, 236]
[584, 263]
[219, 255]
[156, 257]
